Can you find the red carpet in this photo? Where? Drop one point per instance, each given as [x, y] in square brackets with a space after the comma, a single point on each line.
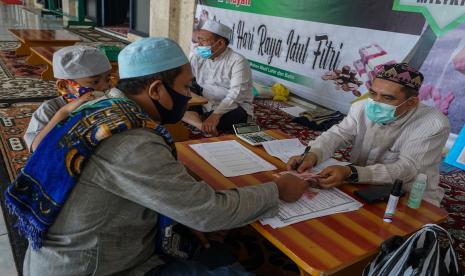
[12, 2]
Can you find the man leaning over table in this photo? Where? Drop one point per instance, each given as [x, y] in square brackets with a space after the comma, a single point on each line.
[103, 222]
[393, 136]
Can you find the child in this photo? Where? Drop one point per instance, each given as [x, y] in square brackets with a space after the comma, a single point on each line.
[81, 71]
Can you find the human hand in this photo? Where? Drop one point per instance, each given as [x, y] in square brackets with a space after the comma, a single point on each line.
[205, 238]
[290, 187]
[201, 238]
[334, 176]
[297, 164]
[70, 107]
[210, 124]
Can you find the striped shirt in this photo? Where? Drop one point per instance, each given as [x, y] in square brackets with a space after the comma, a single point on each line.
[400, 150]
[226, 82]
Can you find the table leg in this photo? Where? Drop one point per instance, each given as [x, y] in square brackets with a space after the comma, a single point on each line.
[34, 59]
[23, 50]
[303, 272]
[47, 74]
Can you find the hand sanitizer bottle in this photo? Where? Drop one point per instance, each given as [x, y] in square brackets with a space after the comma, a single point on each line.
[416, 194]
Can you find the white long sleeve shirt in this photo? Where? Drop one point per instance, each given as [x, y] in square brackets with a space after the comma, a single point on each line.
[400, 150]
[226, 81]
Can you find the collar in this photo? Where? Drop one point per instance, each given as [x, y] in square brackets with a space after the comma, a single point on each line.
[404, 118]
[223, 55]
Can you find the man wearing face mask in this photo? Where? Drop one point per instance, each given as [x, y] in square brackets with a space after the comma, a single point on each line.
[92, 192]
[393, 136]
[225, 78]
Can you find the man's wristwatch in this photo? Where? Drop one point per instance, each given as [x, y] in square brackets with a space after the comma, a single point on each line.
[353, 177]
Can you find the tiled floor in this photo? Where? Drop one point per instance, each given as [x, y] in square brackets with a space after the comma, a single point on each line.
[12, 16]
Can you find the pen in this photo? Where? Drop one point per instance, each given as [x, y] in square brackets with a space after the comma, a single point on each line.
[302, 157]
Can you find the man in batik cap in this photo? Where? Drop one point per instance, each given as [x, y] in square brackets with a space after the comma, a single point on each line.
[393, 136]
[225, 79]
[82, 72]
[106, 219]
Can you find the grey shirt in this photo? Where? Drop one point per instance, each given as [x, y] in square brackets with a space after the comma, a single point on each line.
[108, 224]
[41, 117]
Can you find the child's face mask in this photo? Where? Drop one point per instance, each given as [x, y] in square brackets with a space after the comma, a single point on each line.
[75, 91]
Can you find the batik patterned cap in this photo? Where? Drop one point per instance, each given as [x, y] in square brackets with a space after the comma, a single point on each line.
[401, 73]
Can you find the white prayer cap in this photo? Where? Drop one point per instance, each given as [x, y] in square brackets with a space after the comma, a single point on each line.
[76, 62]
[217, 28]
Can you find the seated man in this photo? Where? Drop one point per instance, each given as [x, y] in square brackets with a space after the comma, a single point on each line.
[225, 78]
[393, 136]
[90, 196]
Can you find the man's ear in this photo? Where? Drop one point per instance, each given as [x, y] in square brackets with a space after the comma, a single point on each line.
[155, 89]
[61, 85]
[413, 101]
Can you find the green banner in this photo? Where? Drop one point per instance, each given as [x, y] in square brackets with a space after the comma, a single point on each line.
[376, 14]
[282, 74]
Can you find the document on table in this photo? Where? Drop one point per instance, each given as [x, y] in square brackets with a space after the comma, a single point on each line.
[293, 110]
[286, 148]
[324, 203]
[231, 158]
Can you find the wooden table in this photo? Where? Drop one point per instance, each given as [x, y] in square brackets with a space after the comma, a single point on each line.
[339, 244]
[33, 38]
[43, 55]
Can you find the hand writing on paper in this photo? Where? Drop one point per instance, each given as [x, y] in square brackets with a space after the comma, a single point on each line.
[334, 176]
[302, 165]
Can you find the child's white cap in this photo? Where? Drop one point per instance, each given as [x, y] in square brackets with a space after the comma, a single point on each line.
[79, 61]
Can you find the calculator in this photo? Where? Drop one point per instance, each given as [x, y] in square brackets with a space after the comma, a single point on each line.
[251, 133]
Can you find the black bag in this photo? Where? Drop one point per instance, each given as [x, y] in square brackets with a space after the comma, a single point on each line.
[419, 255]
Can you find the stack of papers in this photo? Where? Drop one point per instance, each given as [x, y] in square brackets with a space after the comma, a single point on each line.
[320, 203]
[231, 158]
[286, 148]
[293, 110]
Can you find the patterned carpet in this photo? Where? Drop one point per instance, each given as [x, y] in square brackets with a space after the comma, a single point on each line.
[20, 82]
[95, 35]
[255, 252]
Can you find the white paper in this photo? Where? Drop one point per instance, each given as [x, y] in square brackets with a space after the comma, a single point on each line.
[231, 158]
[326, 202]
[327, 163]
[284, 149]
[293, 110]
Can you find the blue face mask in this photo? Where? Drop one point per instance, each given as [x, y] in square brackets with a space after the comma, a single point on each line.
[381, 113]
[204, 51]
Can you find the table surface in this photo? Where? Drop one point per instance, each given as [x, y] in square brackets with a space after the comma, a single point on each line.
[25, 35]
[322, 245]
[197, 100]
[46, 53]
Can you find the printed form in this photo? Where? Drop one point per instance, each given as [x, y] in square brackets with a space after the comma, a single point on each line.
[231, 158]
[324, 203]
